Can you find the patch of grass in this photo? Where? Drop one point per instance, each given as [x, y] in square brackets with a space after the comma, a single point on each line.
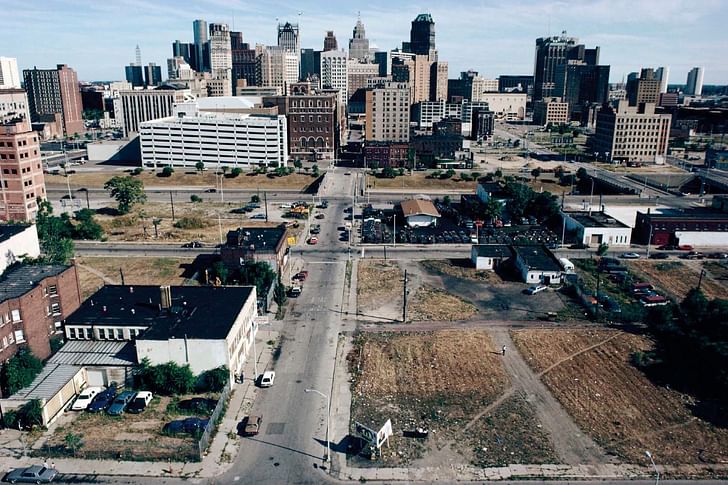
[191, 222]
[430, 303]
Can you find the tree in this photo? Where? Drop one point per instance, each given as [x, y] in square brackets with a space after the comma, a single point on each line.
[220, 271]
[498, 173]
[87, 228]
[137, 171]
[492, 209]
[520, 198]
[235, 172]
[255, 199]
[54, 234]
[436, 174]
[315, 170]
[581, 173]
[127, 192]
[280, 171]
[602, 249]
[279, 295]
[450, 173]
[224, 170]
[446, 200]
[298, 164]
[200, 166]
[195, 198]
[166, 379]
[73, 442]
[213, 380]
[167, 171]
[400, 172]
[535, 173]
[465, 177]
[19, 371]
[388, 173]
[257, 273]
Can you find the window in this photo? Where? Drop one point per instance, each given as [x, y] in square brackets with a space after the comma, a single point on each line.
[119, 334]
[15, 315]
[19, 336]
[55, 309]
[53, 290]
[102, 333]
[71, 332]
[89, 334]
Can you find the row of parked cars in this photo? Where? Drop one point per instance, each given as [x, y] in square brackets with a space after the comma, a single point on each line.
[97, 399]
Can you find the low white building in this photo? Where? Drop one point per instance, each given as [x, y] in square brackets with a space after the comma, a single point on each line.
[419, 212]
[506, 106]
[489, 256]
[596, 228]
[16, 242]
[203, 326]
[218, 139]
[537, 264]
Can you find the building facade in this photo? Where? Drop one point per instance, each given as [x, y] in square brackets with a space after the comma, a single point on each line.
[34, 300]
[694, 84]
[551, 54]
[632, 134]
[202, 54]
[595, 228]
[506, 106]
[427, 113]
[21, 171]
[276, 66]
[9, 77]
[359, 73]
[698, 227]
[335, 73]
[550, 111]
[387, 113]
[17, 241]
[221, 60]
[53, 92]
[217, 139]
[152, 74]
[266, 244]
[134, 107]
[644, 89]
[134, 74]
[13, 104]
[359, 44]
[330, 43]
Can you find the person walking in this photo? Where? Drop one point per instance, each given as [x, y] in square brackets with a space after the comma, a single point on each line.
[503, 350]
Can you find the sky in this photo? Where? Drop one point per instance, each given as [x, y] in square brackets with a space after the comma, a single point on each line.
[493, 37]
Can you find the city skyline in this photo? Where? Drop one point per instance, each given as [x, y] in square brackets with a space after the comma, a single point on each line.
[490, 38]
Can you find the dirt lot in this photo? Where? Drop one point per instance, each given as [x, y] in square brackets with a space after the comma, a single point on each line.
[460, 268]
[137, 271]
[676, 278]
[419, 180]
[129, 437]
[429, 303]
[180, 177]
[614, 402]
[434, 380]
[379, 289]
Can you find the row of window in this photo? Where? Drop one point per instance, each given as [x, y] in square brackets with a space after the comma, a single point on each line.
[102, 333]
[12, 317]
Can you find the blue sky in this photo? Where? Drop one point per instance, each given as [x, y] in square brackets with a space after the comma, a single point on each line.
[491, 36]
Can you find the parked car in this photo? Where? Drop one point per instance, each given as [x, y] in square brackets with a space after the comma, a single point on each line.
[717, 255]
[694, 255]
[313, 240]
[532, 290]
[120, 403]
[102, 400]
[294, 292]
[187, 425]
[85, 398]
[685, 247]
[301, 275]
[667, 247]
[258, 216]
[267, 378]
[193, 244]
[210, 191]
[197, 405]
[659, 256]
[578, 246]
[630, 256]
[251, 425]
[241, 210]
[140, 402]
[32, 474]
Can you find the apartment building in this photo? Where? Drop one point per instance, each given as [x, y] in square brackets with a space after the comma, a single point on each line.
[334, 73]
[387, 112]
[276, 66]
[55, 97]
[550, 110]
[21, 171]
[632, 133]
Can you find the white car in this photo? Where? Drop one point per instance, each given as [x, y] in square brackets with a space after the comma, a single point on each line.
[266, 380]
[630, 256]
[85, 398]
[532, 290]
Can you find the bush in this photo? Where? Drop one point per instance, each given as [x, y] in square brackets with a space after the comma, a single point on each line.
[137, 171]
[19, 371]
[191, 222]
[195, 198]
[27, 416]
[165, 379]
[235, 172]
[167, 171]
[213, 380]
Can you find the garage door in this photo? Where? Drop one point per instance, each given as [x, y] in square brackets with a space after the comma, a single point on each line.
[95, 378]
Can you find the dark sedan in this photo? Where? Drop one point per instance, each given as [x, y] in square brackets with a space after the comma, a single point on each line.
[120, 403]
[188, 425]
[32, 474]
[102, 400]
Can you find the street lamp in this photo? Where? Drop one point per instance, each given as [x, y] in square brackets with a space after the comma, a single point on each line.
[657, 472]
[327, 456]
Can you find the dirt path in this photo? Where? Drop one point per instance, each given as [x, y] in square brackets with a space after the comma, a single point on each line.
[569, 442]
[98, 273]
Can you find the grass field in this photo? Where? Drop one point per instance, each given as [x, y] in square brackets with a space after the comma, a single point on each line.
[137, 271]
[590, 373]
[429, 303]
[379, 288]
[434, 380]
[419, 180]
[676, 278]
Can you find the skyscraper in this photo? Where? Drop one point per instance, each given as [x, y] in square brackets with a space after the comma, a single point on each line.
[135, 75]
[359, 44]
[186, 51]
[243, 60]
[199, 28]
[138, 55]
[551, 54]
[334, 73]
[663, 73]
[695, 82]
[276, 66]
[221, 57]
[288, 37]
[330, 43]
[152, 74]
[644, 89]
[422, 35]
[9, 77]
[54, 97]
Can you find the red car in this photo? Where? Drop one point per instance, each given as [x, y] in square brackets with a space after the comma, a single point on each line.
[685, 247]
[313, 240]
[301, 276]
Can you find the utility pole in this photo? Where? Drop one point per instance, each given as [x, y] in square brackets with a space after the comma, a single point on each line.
[265, 198]
[404, 295]
[596, 300]
[171, 200]
[649, 240]
[700, 279]
[88, 203]
[121, 273]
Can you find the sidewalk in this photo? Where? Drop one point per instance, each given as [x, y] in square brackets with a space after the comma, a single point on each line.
[218, 459]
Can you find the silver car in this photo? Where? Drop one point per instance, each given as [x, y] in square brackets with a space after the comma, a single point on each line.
[32, 474]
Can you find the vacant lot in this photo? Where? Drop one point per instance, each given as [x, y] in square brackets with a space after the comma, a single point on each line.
[429, 303]
[433, 380]
[137, 271]
[420, 180]
[182, 178]
[676, 278]
[590, 373]
[460, 268]
[379, 289]
[127, 437]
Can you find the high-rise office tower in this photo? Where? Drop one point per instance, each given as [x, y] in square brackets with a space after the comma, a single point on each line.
[330, 43]
[152, 74]
[309, 64]
[644, 89]
[9, 77]
[422, 35]
[334, 73]
[288, 37]
[54, 97]
[359, 44]
[199, 28]
[221, 58]
[243, 58]
[663, 73]
[387, 111]
[551, 54]
[135, 75]
[694, 84]
[186, 51]
[21, 171]
[138, 55]
[276, 66]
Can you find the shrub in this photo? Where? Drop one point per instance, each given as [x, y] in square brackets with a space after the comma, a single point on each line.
[213, 380]
[167, 171]
[137, 171]
[191, 222]
[165, 379]
[235, 172]
[195, 198]
[19, 371]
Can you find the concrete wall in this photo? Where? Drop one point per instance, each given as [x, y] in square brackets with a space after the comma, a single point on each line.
[24, 243]
[200, 354]
[707, 239]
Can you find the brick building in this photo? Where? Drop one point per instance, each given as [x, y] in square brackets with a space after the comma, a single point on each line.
[379, 154]
[34, 300]
[269, 244]
[697, 227]
[21, 171]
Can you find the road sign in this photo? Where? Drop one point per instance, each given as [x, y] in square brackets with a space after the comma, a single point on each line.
[367, 433]
[384, 433]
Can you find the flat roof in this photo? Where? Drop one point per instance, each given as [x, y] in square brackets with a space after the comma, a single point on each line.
[9, 230]
[197, 312]
[48, 383]
[95, 352]
[702, 214]
[595, 219]
[414, 207]
[22, 279]
[493, 250]
[260, 237]
[537, 257]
